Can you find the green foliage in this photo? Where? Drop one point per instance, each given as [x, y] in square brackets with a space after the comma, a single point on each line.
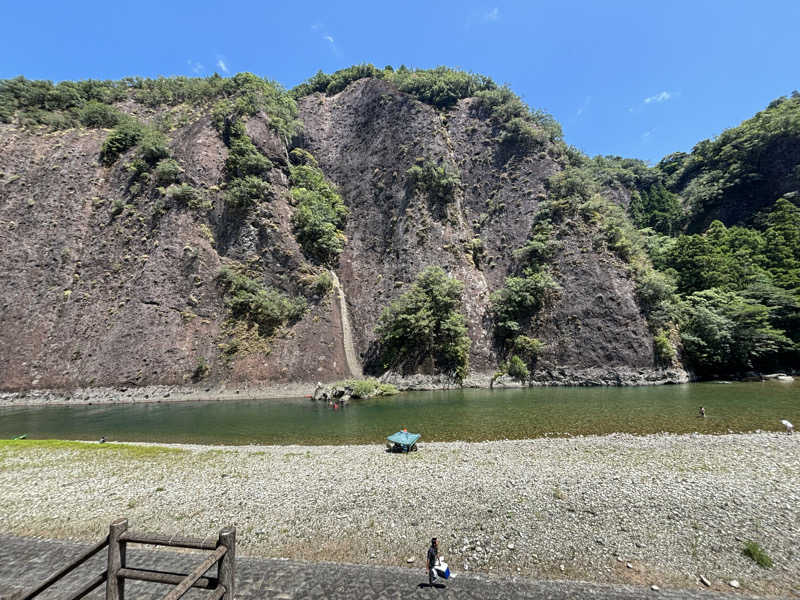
[438, 182]
[250, 301]
[298, 156]
[64, 104]
[56, 106]
[540, 245]
[743, 292]
[152, 146]
[320, 213]
[367, 388]
[193, 198]
[743, 170]
[98, 115]
[528, 348]
[243, 193]
[520, 299]
[244, 159]
[757, 554]
[724, 332]
[167, 171]
[441, 87]
[782, 244]
[517, 369]
[246, 168]
[656, 208]
[122, 138]
[663, 349]
[425, 324]
[246, 95]
[521, 127]
[323, 283]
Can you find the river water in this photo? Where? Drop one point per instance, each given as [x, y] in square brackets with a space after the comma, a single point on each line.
[470, 415]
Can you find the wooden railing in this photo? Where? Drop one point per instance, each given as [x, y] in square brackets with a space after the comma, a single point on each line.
[223, 551]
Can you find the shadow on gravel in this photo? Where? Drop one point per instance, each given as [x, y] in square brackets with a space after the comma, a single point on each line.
[440, 586]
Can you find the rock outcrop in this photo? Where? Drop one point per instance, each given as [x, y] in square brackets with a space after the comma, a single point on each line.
[100, 287]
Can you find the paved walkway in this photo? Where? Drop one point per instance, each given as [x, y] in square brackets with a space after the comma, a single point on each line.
[27, 561]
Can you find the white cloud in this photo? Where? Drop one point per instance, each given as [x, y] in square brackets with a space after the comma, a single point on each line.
[221, 64]
[196, 67]
[646, 135]
[584, 106]
[492, 15]
[659, 97]
[329, 38]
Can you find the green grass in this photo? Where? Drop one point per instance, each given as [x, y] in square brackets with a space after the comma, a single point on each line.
[753, 550]
[127, 451]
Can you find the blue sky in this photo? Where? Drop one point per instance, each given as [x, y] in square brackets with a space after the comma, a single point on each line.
[636, 78]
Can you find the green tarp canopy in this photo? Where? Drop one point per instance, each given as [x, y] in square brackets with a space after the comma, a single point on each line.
[404, 438]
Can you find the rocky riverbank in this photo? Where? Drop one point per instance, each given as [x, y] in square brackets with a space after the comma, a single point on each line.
[662, 509]
[242, 391]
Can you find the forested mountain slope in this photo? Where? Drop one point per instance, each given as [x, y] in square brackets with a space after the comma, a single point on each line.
[184, 230]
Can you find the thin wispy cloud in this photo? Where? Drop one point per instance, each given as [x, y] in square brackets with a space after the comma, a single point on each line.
[586, 102]
[647, 134]
[222, 66]
[195, 66]
[332, 44]
[492, 15]
[482, 17]
[659, 97]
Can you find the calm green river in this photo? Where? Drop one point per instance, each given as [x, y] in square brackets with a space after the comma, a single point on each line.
[470, 415]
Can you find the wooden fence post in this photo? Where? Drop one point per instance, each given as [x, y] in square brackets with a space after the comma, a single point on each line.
[227, 564]
[115, 586]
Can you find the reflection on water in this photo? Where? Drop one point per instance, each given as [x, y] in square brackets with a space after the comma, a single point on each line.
[471, 415]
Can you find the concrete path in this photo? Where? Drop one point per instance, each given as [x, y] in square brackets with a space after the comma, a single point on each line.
[27, 561]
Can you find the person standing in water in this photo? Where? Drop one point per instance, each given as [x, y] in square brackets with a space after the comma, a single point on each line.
[703, 411]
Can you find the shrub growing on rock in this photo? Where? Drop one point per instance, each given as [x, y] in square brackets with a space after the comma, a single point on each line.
[250, 301]
[123, 137]
[167, 171]
[519, 299]
[438, 182]
[246, 192]
[425, 324]
[320, 213]
[98, 115]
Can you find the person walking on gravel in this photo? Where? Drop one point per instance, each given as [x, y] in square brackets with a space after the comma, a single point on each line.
[433, 555]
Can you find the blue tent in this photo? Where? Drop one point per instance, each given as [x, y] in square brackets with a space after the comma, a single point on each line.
[404, 440]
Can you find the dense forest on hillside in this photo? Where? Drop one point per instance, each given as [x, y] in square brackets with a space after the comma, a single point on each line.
[711, 238]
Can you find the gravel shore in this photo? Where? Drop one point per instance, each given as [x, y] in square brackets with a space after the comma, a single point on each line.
[662, 509]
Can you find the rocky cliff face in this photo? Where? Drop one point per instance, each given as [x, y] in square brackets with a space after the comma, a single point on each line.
[99, 286]
[369, 135]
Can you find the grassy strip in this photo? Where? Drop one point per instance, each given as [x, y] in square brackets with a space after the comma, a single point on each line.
[8, 447]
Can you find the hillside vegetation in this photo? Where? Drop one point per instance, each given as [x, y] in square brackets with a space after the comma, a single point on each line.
[199, 217]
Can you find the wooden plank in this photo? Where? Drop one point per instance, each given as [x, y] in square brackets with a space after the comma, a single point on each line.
[64, 571]
[207, 583]
[227, 564]
[204, 566]
[176, 541]
[115, 587]
[218, 593]
[94, 583]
